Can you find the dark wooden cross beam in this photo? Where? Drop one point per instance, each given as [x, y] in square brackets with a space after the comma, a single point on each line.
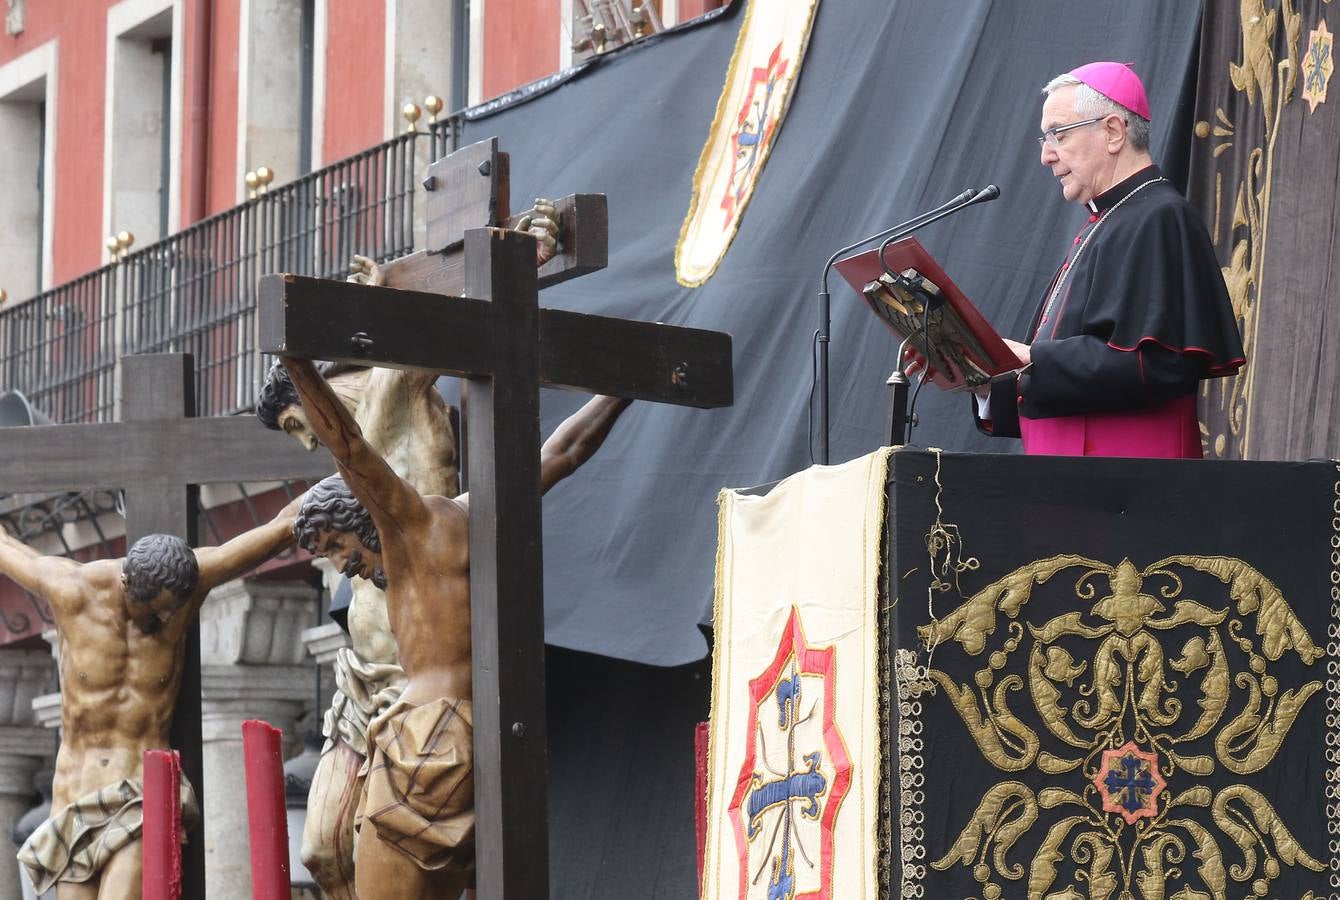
[498, 337]
[160, 454]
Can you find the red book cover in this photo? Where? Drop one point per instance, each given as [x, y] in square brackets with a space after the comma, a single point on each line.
[964, 351]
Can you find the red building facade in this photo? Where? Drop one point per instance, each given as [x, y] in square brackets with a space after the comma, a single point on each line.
[121, 102]
[145, 119]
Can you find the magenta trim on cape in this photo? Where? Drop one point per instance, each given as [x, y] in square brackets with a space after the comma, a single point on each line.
[1216, 370]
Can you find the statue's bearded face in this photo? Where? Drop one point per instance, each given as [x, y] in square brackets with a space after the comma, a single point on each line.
[294, 422]
[152, 616]
[350, 557]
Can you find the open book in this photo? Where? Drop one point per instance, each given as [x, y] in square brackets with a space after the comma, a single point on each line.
[922, 306]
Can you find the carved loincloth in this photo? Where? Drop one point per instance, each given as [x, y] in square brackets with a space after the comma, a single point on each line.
[77, 842]
[363, 691]
[419, 792]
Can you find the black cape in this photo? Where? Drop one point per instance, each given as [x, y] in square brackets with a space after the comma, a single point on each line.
[1141, 314]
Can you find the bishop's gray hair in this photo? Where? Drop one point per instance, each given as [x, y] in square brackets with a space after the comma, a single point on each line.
[1089, 104]
[160, 562]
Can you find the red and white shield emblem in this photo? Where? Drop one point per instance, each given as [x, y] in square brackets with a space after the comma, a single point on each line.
[796, 772]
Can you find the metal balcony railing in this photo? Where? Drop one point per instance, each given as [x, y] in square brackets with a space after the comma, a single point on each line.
[195, 291]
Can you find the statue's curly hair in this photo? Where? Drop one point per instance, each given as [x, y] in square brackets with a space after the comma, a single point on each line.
[277, 395]
[331, 506]
[278, 392]
[159, 562]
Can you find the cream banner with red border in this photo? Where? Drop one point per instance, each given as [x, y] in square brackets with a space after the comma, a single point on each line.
[793, 759]
[763, 70]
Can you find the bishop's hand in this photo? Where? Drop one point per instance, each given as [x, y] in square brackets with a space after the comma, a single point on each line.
[1023, 351]
[914, 366]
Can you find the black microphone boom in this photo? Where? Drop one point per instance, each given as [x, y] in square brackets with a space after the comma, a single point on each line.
[985, 195]
[901, 230]
[915, 222]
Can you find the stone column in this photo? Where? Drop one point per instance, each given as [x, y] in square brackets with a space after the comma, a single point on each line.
[24, 748]
[253, 667]
[17, 796]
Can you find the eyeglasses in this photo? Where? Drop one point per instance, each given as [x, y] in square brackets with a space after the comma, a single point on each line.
[1052, 136]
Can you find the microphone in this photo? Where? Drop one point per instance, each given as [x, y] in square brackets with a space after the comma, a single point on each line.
[901, 230]
[985, 195]
[963, 199]
[990, 192]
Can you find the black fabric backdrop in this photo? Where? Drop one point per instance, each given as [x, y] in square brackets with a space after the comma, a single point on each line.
[621, 776]
[900, 105]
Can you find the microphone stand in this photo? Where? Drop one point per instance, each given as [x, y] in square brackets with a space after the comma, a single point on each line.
[825, 323]
[900, 422]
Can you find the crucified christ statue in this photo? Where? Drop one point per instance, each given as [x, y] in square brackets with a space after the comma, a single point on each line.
[405, 420]
[416, 815]
[122, 625]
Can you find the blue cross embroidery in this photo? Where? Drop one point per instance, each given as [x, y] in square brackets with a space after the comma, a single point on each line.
[1133, 786]
[1320, 50]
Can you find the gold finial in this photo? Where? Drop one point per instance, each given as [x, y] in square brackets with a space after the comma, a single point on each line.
[124, 240]
[433, 104]
[252, 183]
[264, 175]
[411, 113]
[599, 37]
[113, 246]
[3, 296]
[639, 20]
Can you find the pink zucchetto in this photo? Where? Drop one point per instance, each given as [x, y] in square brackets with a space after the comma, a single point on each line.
[1118, 83]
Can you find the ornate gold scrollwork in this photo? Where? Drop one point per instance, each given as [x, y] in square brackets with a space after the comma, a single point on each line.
[1105, 687]
[1259, 71]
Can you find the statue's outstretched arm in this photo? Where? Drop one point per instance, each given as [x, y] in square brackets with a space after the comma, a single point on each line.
[53, 578]
[390, 501]
[246, 551]
[578, 438]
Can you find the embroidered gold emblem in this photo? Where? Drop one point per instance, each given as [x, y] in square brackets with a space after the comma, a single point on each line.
[768, 55]
[1272, 71]
[1318, 64]
[1112, 682]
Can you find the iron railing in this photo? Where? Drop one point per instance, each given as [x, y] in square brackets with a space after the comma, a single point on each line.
[59, 348]
[195, 291]
[444, 136]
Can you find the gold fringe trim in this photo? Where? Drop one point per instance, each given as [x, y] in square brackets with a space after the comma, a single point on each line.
[877, 480]
[725, 498]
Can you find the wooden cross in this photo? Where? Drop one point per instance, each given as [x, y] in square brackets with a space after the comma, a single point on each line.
[497, 337]
[160, 454]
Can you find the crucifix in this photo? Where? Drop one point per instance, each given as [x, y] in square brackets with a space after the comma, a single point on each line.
[467, 305]
[160, 454]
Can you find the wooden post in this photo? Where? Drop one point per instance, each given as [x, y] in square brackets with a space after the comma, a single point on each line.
[507, 577]
[161, 386]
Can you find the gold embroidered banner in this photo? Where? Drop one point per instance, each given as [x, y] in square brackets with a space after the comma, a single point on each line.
[762, 73]
[1263, 174]
[794, 749]
[1115, 698]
